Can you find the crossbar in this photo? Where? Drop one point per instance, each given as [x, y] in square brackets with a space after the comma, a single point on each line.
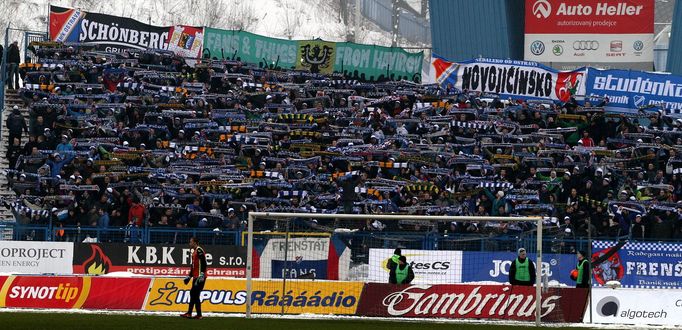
[253, 215]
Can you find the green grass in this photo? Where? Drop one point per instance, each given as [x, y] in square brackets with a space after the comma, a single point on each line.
[56, 321]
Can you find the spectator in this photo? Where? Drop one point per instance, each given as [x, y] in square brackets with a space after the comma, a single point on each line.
[16, 124]
[13, 60]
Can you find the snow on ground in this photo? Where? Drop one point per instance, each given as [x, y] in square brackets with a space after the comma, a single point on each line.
[333, 317]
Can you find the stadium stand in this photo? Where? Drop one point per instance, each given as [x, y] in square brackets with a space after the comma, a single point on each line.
[143, 140]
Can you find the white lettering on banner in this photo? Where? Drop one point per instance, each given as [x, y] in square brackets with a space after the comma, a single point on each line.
[638, 85]
[19, 257]
[653, 268]
[501, 267]
[68, 26]
[96, 33]
[603, 9]
[62, 292]
[273, 51]
[451, 303]
[301, 245]
[350, 57]
[636, 306]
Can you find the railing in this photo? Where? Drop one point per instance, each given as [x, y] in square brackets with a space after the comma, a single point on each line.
[358, 241]
[21, 232]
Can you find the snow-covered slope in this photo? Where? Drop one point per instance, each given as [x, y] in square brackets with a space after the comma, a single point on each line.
[294, 19]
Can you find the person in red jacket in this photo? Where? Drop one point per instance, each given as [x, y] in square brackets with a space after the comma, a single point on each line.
[586, 141]
[197, 275]
[137, 212]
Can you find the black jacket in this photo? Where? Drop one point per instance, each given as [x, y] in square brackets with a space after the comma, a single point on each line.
[13, 55]
[512, 273]
[16, 123]
[391, 265]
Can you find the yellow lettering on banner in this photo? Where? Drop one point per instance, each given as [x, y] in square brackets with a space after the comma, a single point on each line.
[229, 296]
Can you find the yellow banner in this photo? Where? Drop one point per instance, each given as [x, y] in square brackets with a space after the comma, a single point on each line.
[316, 56]
[268, 297]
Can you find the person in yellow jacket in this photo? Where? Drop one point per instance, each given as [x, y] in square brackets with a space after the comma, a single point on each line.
[403, 272]
[392, 263]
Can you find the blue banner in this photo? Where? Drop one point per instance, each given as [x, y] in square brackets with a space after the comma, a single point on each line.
[316, 269]
[494, 266]
[639, 264]
[635, 89]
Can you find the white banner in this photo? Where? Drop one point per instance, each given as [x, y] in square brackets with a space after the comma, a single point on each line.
[589, 48]
[429, 267]
[518, 79]
[636, 306]
[304, 257]
[19, 257]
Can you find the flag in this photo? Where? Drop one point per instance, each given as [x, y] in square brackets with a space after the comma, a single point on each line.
[445, 71]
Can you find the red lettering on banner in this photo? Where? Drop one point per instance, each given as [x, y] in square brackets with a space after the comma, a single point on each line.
[471, 301]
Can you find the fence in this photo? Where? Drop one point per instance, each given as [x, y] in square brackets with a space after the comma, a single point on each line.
[359, 242]
[19, 232]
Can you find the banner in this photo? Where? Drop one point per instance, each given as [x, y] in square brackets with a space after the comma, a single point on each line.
[568, 34]
[157, 260]
[639, 264]
[302, 257]
[636, 306]
[30, 257]
[117, 34]
[471, 301]
[634, 89]
[494, 266]
[229, 296]
[74, 292]
[516, 79]
[429, 267]
[356, 61]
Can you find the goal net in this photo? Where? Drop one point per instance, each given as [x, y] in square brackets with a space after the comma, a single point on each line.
[404, 265]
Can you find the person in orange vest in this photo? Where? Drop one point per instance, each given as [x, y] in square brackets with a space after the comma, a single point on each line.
[197, 274]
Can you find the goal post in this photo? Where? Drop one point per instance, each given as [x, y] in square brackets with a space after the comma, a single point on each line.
[286, 217]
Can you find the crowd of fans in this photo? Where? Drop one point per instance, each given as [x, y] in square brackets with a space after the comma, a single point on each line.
[143, 139]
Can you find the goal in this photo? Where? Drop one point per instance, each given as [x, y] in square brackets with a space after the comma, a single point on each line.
[322, 263]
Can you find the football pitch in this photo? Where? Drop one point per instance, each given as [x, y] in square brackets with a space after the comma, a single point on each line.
[56, 321]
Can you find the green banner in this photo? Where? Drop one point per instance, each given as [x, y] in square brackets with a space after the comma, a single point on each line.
[356, 61]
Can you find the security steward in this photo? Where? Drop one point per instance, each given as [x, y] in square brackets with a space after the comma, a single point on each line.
[583, 271]
[392, 264]
[403, 272]
[522, 270]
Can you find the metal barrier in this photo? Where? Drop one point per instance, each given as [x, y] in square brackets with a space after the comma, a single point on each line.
[16, 231]
[181, 236]
[29, 36]
[358, 241]
[24, 233]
